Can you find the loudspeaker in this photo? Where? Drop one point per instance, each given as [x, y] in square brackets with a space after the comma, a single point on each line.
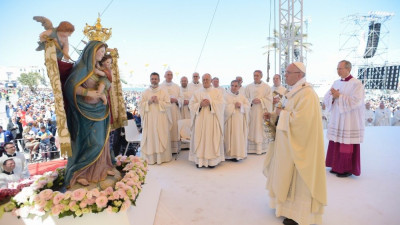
[373, 39]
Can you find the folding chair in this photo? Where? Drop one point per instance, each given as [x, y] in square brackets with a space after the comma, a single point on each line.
[184, 134]
[132, 134]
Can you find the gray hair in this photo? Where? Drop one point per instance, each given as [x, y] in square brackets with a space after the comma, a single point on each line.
[347, 64]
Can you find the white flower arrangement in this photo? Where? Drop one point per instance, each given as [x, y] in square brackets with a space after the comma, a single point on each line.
[39, 199]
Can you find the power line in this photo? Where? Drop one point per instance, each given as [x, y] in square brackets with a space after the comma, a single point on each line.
[205, 40]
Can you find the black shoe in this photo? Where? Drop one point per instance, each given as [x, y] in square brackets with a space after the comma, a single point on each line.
[331, 171]
[235, 160]
[211, 167]
[288, 221]
[343, 174]
[197, 165]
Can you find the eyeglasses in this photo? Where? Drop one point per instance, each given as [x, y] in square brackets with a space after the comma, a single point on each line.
[291, 72]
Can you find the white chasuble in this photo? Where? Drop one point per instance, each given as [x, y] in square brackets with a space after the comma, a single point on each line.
[206, 143]
[156, 124]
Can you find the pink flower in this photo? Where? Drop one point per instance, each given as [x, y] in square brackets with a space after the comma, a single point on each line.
[55, 210]
[122, 193]
[130, 183]
[109, 190]
[119, 185]
[101, 201]
[46, 194]
[109, 209]
[83, 204]
[95, 192]
[67, 194]
[72, 204]
[125, 205]
[58, 198]
[78, 194]
[118, 163]
[91, 201]
[123, 158]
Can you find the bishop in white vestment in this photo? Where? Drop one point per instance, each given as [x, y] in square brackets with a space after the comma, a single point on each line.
[156, 123]
[294, 164]
[236, 123]
[176, 98]
[260, 97]
[207, 116]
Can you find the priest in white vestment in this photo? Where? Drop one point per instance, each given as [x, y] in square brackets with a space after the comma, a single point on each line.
[176, 99]
[278, 91]
[7, 174]
[260, 97]
[345, 102]
[241, 87]
[186, 95]
[156, 123]
[215, 84]
[236, 123]
[294, 164]
[207, 116]
[382, 115]
[396, 117]
[195, 85]
[369, 115]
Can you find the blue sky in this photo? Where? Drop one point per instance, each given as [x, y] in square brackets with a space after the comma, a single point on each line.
[172, 32]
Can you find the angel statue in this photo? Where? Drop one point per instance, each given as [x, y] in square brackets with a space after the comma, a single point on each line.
[60, 34]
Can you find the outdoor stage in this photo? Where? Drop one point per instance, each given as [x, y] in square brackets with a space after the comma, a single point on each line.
[234, 193]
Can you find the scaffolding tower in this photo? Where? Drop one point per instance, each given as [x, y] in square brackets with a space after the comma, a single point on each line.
[358, 31]
[290, 34]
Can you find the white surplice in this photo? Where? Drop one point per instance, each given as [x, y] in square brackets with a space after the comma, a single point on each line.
[186, 95]
[206, 142]
[156, 124]
[257, 143]
[369, 114]
[21, 165]
[236, 126]
[346, 121]
[5, 179]
[382, 117]
[174, 91]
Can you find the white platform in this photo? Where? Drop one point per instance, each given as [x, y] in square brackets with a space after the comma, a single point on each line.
[142, 214]
[235, 194]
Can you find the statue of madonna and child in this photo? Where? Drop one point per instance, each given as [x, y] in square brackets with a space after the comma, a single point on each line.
[88, 103]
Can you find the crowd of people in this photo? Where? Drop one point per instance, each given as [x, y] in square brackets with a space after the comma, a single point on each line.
[380, 110]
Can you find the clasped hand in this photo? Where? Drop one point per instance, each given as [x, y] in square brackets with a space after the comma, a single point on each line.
[256, 101]
[238, 105]
[204, 102]
[335, 93]
[153, 99]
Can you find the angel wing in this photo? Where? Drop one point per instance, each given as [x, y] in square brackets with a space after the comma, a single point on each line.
[46, 23]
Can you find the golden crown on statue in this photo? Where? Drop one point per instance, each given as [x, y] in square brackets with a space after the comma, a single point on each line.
[97, 32]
